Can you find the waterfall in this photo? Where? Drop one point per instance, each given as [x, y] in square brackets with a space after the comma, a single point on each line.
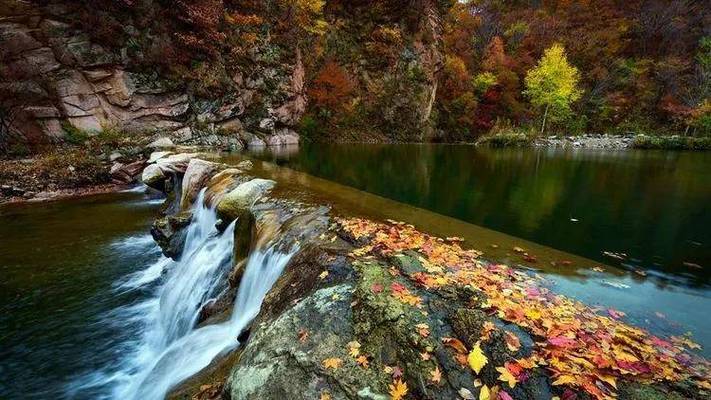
[170, 349]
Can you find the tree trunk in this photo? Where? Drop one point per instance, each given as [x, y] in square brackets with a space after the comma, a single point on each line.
[545, 115]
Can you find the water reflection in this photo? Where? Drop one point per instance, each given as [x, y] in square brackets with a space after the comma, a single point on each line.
[652, 206]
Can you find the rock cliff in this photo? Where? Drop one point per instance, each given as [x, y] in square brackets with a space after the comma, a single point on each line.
[58, 80]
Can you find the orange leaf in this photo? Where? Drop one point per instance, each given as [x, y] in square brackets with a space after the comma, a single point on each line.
[332, 363]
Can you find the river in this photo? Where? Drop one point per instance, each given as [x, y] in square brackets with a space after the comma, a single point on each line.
[651, 205]
[75, 271]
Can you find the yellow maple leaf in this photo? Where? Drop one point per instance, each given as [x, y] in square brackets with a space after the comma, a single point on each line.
[332, 363]
[325, 396]
[484, 393]
[398, 390]
[564, 380]
[507, 376]
[533, 314]
[477, 359]
[323, 275]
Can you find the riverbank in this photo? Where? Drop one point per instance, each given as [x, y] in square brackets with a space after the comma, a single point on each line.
[597, 141]
[381, 309]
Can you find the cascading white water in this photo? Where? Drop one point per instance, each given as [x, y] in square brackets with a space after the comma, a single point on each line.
[169, 349]
[194, 351]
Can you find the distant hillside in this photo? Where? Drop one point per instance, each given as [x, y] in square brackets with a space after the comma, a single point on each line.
[262, 72]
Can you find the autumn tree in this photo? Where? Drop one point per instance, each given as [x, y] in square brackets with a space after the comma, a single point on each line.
[553, 84]
[331, 88]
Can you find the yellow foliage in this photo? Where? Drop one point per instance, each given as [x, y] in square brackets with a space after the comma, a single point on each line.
[477, 359]
[398, 390]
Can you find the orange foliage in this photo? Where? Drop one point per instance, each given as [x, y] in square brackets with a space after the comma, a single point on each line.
[578, 346]
[332, 87]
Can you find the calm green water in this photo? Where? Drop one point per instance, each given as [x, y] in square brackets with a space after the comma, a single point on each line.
[653, 206]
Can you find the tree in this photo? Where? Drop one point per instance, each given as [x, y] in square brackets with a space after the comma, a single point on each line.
[331, 88]
[553, 84]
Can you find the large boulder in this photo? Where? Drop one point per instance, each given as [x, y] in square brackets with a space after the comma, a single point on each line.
[283, 137]
[126, 173]
[157, 155]
[161, 143]
[222, 183]
[241, 198]
[196, 176]
[276, 365]
[153, 176]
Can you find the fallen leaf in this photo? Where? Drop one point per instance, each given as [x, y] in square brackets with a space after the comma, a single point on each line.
[303, 335]
[353, 348]
[425, 356]
[323, 275]
[397, 372]
[615, 314]
[486, 330]
[477, 359]
[484, 393]
[325, 396]
[398, 390]
[504, 396]
[376, 288]
[512, 342]
[506, 376]
[333, 363]
[564, 380]
[454, 343]
[423, 330]
[466, 394]
[362, 361]
[436, 375]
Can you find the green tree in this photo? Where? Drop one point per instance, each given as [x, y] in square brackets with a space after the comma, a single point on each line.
[553, 84]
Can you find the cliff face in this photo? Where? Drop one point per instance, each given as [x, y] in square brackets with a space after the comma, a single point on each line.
[58, 78]
[377, 76]
[218, 72]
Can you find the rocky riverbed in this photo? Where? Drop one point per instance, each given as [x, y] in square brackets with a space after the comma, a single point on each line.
[590, 141]
[369, 309]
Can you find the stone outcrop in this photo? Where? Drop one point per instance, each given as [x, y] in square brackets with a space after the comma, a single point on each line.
[196, 176]
[58, 81]
[241, 198]
[126, 173]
